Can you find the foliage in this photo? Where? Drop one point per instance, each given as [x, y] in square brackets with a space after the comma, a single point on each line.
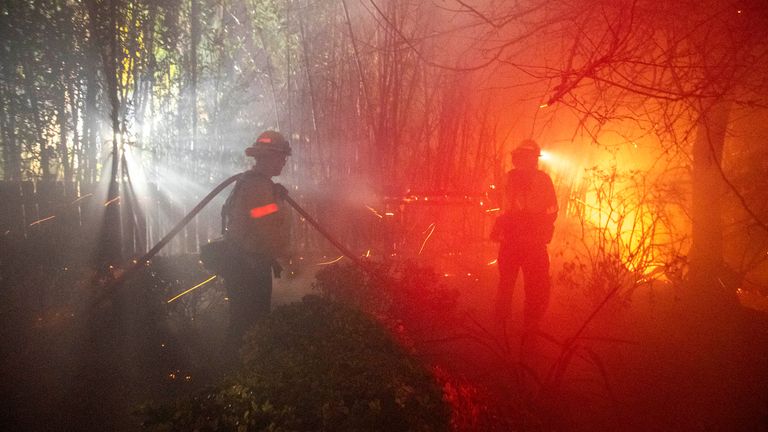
[629, 233]
[314, 365]
[409, 298]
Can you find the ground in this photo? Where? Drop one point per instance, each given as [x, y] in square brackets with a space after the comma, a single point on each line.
[648, 363]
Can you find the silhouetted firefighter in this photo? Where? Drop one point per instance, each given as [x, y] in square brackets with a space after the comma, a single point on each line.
[256, 232]
[524, 230]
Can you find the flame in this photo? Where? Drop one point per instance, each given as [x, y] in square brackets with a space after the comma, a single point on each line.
[629, 226]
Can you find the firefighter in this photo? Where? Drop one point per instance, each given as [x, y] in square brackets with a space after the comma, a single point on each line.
[257, 230]
[523, 231]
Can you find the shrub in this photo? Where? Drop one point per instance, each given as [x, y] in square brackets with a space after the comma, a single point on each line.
[315, 365]
[404, 294]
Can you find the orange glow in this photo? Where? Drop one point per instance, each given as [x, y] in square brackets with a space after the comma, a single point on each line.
[556, 162]
[628, 226]
[258, 212]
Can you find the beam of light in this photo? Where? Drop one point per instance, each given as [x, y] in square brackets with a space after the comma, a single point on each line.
[331, 262]
[430, 229]
[493, 210]
[39, 221]
[378, 215]
[106, 204]
[492, 262]
[259, 212]
[556, 161]
[544, 105]
[367, 253]
[192, 289]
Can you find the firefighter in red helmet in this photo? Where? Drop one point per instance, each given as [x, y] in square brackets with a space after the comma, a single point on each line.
[257, 228]
[523, 231]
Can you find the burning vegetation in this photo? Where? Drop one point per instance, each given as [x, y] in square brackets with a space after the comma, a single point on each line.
[118, 118]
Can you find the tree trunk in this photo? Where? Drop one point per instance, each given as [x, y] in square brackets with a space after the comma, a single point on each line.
[706, 255]
[11, 152]
[194, 24]
[31, 92]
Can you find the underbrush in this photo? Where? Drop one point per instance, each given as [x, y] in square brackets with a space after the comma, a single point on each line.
[315, 365]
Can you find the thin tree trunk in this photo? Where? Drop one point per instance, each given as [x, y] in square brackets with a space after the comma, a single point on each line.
[69, 177]
[35, 108]
[194, 18]
[708, 189]
[11, 152]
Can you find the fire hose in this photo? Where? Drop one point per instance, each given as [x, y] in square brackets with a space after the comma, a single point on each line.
[144, 259]
[327, 235]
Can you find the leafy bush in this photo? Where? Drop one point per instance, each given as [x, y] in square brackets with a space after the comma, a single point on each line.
[404, 296]
[315, 365]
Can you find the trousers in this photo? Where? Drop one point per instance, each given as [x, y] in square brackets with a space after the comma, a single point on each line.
[249, 288]
[533, 261]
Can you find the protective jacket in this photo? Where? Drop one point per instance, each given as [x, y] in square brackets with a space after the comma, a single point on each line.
[257, 222]
[531, 209]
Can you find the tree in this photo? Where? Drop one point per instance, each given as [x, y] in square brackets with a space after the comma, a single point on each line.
[681, 71]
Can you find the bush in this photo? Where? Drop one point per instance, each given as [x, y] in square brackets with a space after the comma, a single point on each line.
[404, 295]
[315, 365]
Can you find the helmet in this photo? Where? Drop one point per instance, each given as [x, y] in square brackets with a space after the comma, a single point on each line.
[269, 142]
[527, 147]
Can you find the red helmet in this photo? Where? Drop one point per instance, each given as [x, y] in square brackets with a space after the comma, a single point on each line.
[269, 142]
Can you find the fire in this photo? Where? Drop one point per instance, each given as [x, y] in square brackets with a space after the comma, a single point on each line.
[625, 222]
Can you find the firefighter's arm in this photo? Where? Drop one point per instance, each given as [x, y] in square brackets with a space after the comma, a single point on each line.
[551, 199]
